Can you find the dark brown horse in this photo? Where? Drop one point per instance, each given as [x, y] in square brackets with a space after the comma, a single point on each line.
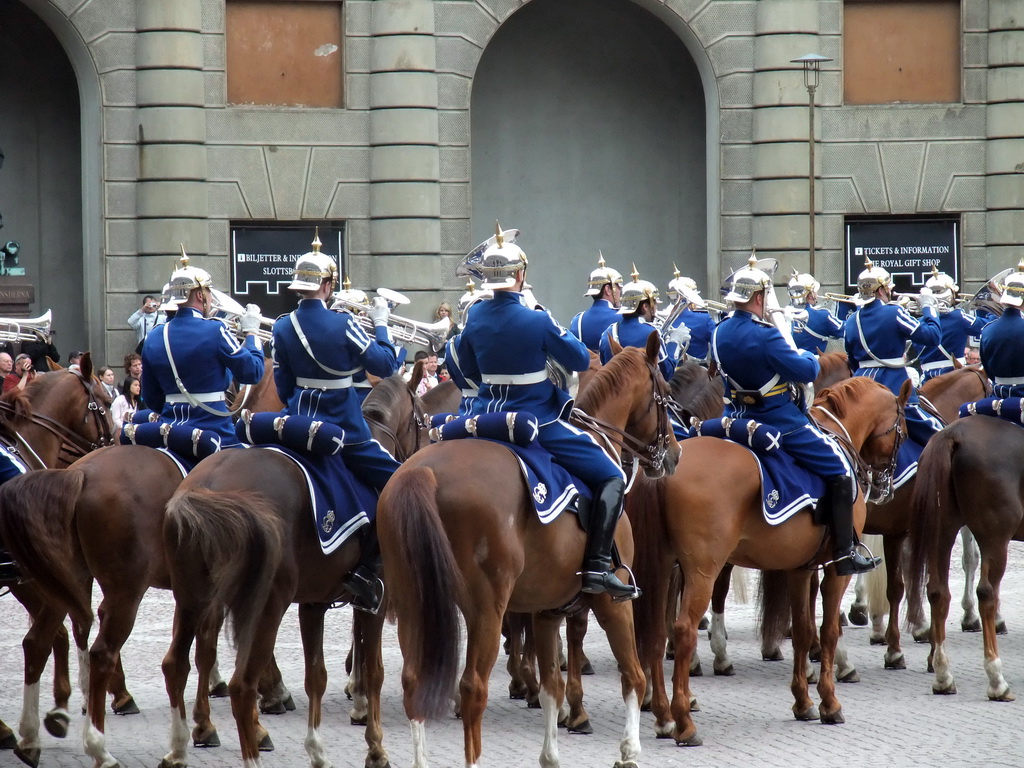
[709, 514]
[240, 533]
[458, 533]
[971, 473]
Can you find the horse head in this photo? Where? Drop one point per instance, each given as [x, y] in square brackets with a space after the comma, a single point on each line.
[395, 416]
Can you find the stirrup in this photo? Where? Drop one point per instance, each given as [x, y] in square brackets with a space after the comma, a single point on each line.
[868, 562]
[367, 593]
[627, 591]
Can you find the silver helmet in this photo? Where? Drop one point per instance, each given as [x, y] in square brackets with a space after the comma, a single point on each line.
[942, 286]
[1013, 287]
[685, 287]
[469, 298]
[869, 281]
[350, 295]
[801, 286]
[601, 277]
[748, 281]
[635, 292]
[312, 268]
[500, 262]
[184, 280]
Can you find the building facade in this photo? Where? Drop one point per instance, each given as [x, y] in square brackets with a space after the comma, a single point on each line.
[660, 132]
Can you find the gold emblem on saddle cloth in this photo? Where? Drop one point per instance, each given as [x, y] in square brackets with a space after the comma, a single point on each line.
[540, 492]
[773, 499]
[328, 522]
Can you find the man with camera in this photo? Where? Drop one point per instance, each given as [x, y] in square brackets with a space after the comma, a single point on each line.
[22, 374]
[145, 319]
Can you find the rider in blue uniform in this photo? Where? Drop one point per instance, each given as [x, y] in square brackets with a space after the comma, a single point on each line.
[350, 299]
[605, 287]
[468, 388]
[506, 345]
[1002, 340]
[189, 361]
[636, 322]
[10, 467]
[758, 366]
[956, 326]
[316, 354]
[878, 335]
[813, 326]
[694, 317]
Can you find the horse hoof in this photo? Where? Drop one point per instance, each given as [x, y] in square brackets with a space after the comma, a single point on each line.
[971, 626]
[697, 670]
[205, 739]
[517, 691]
[1001, 627]
[691, 741]
[219, 691]
[899, 662]
[585, 728]
[165, 763]
[876, 640]
[8, 741]
[728, 671]
[533, 703]
[704, 623]
[849, 677]
[56, 724]
[922, 637]
[129, 707]
[266, 745]
[843, 621]
[1006, 695]
[858, 615]
[834, 718]
[670, 654]
[289, 704]
[809, 714]
[588, 669]
[814, 655]
[948, 690]
[694, 705]
[775, 655]
[28, 756]
[357, 720]
[627, 764]
[273, 708]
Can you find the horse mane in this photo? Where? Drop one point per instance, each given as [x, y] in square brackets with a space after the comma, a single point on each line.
[610, 380]
[699, 394]
[20, 401]
[379, 404]
[835, 366]
[846, 395]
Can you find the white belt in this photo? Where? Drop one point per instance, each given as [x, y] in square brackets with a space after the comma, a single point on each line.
[890, 362]
[517, 378]
[936, 365]
[470, 392]
[202, 397]
[344, 383]
[363, 384]
[1009, 381]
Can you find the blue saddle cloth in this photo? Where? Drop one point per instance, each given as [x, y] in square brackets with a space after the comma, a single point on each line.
[906, 462]
[551, 487]
[341, 502]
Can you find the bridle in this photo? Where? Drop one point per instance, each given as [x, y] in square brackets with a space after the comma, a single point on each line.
[73, 444]
[876, 482]
[419, 420]
[650, 456]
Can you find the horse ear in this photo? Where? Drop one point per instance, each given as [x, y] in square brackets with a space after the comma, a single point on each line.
[85, 366]
[905, 390]
[417, 376]
[614, 345]
[653, 348]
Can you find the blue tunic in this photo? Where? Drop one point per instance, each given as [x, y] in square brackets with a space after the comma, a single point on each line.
[633, 331]
[469, 389]
[956, 326]
[588, 326]
[1002, 353]
[206, 355]
[821, 325]
[701, 326]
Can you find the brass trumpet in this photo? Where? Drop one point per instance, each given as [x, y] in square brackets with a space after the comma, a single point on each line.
[233, 312]
[846, 299]
[27, 329]
[403, 329]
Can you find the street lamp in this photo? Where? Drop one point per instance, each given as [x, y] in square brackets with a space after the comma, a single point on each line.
[812, 68]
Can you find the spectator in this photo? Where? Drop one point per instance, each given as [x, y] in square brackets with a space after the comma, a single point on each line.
[127, 403]
[106, 374]
[133, 365]
[6, 364]
[74, 360]
[972, 356]
[23, 373]
[145, 319]
[38, 351]
[429, 380]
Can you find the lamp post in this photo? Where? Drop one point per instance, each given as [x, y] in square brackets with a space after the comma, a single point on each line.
[811, 64]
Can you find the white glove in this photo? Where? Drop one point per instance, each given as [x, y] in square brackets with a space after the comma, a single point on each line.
[794, 315]
[379, 311]
[926, 298]
[250, 321]
[680, 334]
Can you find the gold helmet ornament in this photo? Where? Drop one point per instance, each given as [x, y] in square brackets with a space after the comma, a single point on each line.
[350, 295]
[685, 287]
[801, 286]
[185, 279]
[602, 276]
[1013, 287]
[942, 286]
[469, 298]
[869, 281]
[500, 262]
[312, 268]
[748, 281]
[637, 291]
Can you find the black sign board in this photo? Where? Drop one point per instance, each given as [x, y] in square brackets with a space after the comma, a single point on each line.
[905, 247]
[263, 256]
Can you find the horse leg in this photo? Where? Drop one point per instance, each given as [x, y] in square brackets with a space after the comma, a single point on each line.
[512, 629]
[717, 634]
[175, 667]
[993, 566]
[552, 687]
[483, 637]
[938, 598]
[803, 631]
[218, 685]
[893, 544]
[36, 647]
[919, 628]
[121, 700]
[832, 589]
[617, 621]
[370, 629]
[657, 593]
[311, 628]
[204, 733]
[858, 612]
[356, 687]
[577, 720]
[57, 719]
[814, 652]
[7, 738]
[971, 622]
[696, 593]
[528, 668]
[275, 698]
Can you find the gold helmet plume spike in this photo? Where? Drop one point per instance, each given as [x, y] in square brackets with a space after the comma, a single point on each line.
[346, 283]
[796, 273]
[600, 258]
[316, 240]
[868, 264]
[183, 261]
[675, 271]
[497, 234]
[470, 286]
[752, 261]
[1020, 264]
[635, 275]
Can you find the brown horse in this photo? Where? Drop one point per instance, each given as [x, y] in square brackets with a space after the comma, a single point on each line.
[971, 473]
[709, 514]
[239, 533]
[458, 533]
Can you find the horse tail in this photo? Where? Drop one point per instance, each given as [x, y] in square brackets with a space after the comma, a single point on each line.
[432, 586]
[645, 507]
[877, 580]
[775, 610]
[740, 585]
[934, 498]
[37, 515]
[236, 537]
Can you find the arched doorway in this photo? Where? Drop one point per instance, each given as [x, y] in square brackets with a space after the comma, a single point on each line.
[41, 178]
[588, 132]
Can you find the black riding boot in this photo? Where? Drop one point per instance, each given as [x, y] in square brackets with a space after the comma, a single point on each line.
[847, 559]
[10, 573]
[364, 582]
[597, 557]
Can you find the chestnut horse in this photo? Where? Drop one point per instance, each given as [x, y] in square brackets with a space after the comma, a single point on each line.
[709, 514]
[458, 532]
[971, 473]
[239, 532]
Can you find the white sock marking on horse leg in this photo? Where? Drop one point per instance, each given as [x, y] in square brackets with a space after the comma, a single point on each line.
[83, 674]
[843, 665]
[315, 749]
[215, 678]
[28, 728]
[997, 685]
[629, 747]
[971, 560]
[943, 676]
[549, 750]
[179, 739]
[252, 762]
[718, 642]
[95, 744]
[860, 592]
[419, 744]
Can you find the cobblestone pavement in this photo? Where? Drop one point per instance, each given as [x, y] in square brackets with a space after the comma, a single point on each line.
[893, 719]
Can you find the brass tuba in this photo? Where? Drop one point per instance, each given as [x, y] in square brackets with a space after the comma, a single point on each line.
[27, 329]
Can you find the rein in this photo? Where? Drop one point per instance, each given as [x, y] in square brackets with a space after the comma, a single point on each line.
[651, 455]
[877, 484]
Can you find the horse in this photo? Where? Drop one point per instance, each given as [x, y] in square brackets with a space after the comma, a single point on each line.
[971, 473]
[239, 533]
[709, 513]
[458, 533]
